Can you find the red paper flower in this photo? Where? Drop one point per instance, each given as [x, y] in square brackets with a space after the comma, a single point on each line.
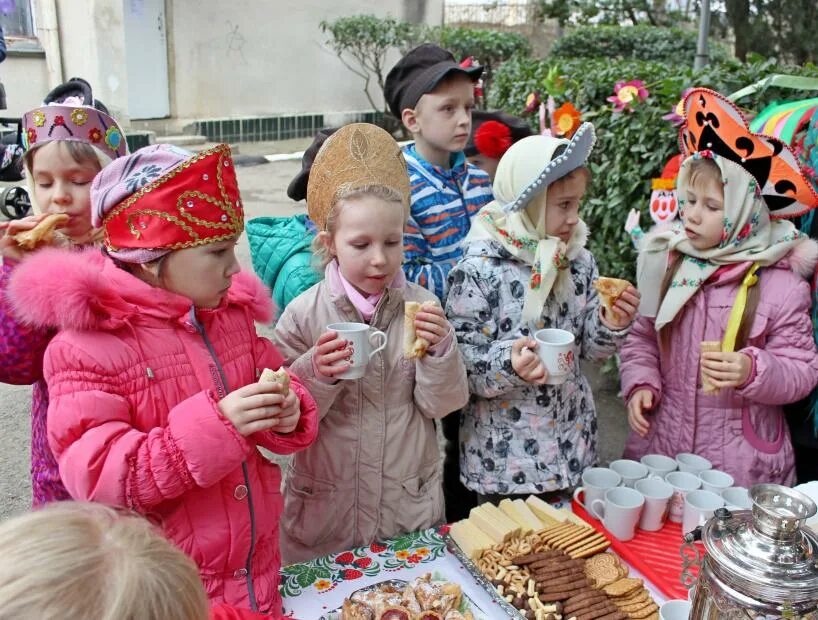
[628, 93]
[95, 135]
[350, 574]
[492, 139]
[566, 120]
[532, 102]
[345, 558]
[363, 562]
[59, 120]
[377, 548]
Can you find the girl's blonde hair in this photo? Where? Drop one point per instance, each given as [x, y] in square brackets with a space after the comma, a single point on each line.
[321, 254]
[704, 169]
[90, 562]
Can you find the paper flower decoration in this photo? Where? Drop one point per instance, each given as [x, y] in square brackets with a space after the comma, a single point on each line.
[493, 139]
[566, 120]
[532, 102]
[676, 115]
[628, 93]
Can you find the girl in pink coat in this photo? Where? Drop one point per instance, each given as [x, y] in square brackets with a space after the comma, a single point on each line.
[152, 376]
[727, 246]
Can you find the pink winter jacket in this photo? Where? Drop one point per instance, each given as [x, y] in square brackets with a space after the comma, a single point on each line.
[134, 376]
[741, 431]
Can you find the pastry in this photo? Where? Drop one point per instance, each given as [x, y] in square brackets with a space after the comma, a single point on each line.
[610, 289]
[413, 346]
[709, 346]
[42, 233]
[352, 610]
[277, 376]
[395, 613]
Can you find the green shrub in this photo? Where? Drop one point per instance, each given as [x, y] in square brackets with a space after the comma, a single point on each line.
[632, 147]
[670, 45]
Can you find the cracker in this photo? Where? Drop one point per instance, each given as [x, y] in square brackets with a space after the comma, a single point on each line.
[644, 613]
[595, 548]
[623, 586]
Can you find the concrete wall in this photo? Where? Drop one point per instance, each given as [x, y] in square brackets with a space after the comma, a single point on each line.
[238, 58]
[267, 57]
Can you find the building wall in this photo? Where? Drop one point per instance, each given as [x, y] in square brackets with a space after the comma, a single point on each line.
[267, 57]
[238, 58]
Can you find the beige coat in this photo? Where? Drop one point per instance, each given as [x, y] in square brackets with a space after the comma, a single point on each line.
[375, 470]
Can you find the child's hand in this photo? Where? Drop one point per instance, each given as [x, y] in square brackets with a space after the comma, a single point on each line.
[641, 401]
[331, 355]
[727, 370]
[289, 414]
[258, 407]
[431, 323]
[8, 246]
[625, 310]
[526, 363]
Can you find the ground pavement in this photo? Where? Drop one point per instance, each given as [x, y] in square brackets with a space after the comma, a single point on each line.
[263, 189]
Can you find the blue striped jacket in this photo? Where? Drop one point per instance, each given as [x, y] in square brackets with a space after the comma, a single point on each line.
[443, 205]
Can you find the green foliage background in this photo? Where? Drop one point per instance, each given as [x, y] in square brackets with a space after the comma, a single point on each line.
[632, 147]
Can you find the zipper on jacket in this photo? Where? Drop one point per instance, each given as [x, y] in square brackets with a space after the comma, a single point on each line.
[248, 564]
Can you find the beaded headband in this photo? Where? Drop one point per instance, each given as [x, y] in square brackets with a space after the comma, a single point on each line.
[76, 124]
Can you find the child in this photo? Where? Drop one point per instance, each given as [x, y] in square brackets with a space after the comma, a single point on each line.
[152, 376]
[67, 145]
[735, 277]
[375, 470]
[526, 268]
[492, 134]
[79, 560]
[433, 97]
[281, 247]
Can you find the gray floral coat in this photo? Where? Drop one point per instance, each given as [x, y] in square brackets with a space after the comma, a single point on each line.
[517, 437]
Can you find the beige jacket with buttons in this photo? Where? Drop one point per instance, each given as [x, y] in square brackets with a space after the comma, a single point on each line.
[375, 470]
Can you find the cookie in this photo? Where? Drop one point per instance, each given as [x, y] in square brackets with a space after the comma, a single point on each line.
[593, 549]
[602, 569]
[623, 586]
[644, 613]
[640, 596]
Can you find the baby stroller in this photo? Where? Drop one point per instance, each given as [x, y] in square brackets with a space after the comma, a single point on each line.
[14, 200]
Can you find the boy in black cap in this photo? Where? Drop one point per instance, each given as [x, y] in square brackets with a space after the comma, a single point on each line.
[433, 97]
[492, 133]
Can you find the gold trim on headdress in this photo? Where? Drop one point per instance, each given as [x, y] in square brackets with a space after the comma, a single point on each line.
[355, 156]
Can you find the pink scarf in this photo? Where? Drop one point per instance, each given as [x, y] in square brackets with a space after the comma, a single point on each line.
[365, 304]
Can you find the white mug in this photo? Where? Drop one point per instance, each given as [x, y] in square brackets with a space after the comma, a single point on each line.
[715, 481]
[737, 498]
[556, 350]
[692, 463]
[657, 494]
[659, 464]
[620, 511]
[699, 508]
[631, 471]
[595, 482]
[682, 483]
[675, 610]
[360, 340]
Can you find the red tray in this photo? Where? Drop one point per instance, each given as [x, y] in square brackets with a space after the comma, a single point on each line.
[654, 554]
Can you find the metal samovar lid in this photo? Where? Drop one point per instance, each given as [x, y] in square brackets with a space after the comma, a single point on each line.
[766, 553]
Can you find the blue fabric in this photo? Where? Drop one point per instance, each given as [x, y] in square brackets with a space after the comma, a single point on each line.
[281, 250]
[444, 201]
[809, 156]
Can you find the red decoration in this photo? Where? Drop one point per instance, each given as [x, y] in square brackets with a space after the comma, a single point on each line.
[194, 204]
[377, 548]
[363, 562]
[345, 558]
[59, 120]
[350, 574]
[492, 139]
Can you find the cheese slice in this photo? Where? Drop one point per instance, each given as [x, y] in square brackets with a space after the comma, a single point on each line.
[504, 520]
[470, 538]
[489, 527]
[540, 508]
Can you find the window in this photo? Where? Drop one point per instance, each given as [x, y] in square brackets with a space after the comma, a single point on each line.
[16, 18]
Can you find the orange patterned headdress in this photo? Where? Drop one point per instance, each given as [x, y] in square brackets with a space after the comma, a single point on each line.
[163, 198]
[714, 123]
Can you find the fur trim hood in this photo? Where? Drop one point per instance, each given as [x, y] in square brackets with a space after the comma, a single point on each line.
[85, 290]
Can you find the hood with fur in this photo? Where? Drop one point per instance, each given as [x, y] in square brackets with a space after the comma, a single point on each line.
[85, 290]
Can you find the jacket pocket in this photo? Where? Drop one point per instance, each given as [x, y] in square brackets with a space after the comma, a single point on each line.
[421, 502]
[309, 509]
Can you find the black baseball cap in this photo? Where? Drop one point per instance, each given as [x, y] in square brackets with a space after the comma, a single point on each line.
[418, 73]
[517, 126]
[297, 189]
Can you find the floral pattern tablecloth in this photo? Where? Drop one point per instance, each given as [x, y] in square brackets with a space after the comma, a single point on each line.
[311, 590]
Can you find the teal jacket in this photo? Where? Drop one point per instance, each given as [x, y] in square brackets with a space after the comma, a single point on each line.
[281, 248]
